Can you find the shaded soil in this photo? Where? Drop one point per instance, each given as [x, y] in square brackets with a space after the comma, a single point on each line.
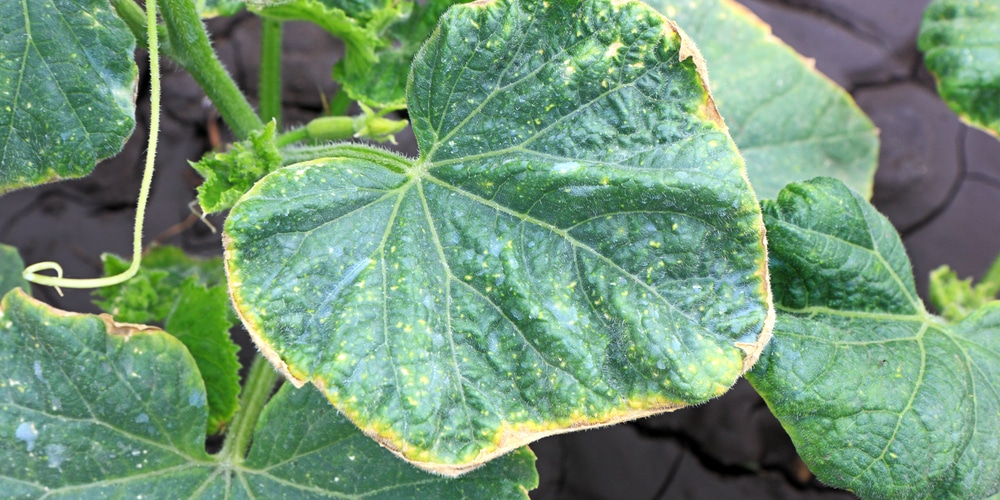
[938, 181]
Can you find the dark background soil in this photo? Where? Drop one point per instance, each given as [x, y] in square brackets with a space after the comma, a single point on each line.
[938, 181]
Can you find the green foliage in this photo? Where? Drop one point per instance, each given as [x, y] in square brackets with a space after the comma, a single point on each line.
[956, 298]
[360, 25]
[10, 270]
[790, 121]
[228, 175]
[577, 244]
[569, 250]
[879, 396]
[189, 298]
[67, 83]
[961, 44]
[94, 409]
[383, 84]
[215, 8]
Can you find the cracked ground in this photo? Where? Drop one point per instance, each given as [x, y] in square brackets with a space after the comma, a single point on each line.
[938, 181]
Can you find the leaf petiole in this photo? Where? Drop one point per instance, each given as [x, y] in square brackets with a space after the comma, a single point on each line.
[31, 273]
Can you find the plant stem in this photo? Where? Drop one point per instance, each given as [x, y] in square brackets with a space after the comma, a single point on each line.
[135, 19]
[256, 391]
[193, 51]
[269, 94]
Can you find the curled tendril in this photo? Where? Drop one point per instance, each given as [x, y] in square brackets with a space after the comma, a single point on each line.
[31, 273]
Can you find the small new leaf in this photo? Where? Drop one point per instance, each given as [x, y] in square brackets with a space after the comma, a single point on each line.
[228, 175]
[170, 289]
[956, 298]
[879, 396]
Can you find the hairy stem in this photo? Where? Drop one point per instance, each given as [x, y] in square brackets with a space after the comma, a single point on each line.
[256, 391]
[193, 51]
[135, 19]
[269, 95]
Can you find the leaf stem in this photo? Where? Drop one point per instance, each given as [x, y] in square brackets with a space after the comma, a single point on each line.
[135, 19]
[269, 94]
[31, 272]
[256, 392]
[193, 51]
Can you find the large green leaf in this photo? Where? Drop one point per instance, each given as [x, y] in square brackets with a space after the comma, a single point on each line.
[90, 408]
[879, 396]
[791, 122]
[961, 44]
[11, 266]
[188, 297]
[576, 245]
[67, 85]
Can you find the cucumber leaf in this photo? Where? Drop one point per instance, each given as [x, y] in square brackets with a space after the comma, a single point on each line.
[67, 89]
[11, 266]
[961, 45]
[187, 296]
[879, 396]
[790, 121]
[576, 245]
[90, 408]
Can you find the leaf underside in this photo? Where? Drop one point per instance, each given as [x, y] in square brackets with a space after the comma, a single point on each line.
[576, 245]
[94, 409]
[961, 45]
[790, 121]
[67, 85]
[879, 396]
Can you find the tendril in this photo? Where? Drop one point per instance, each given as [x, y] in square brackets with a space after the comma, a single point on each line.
[31, 273]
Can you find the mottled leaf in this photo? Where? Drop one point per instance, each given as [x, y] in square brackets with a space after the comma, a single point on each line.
[956, 298]
[879, 396]
[576, 245]
[302, 440]
[791, 122]
[961, 44]
[90, 408]
[187, 297]
[67, 84]
[11, 267]
[230, 174]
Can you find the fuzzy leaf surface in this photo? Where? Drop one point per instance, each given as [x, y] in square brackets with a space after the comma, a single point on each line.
[790, 121]
[189, 298]
[67, 84]
[11, 266]
[961, 44]
[879, 396]
[576, 245]
[94, 409]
